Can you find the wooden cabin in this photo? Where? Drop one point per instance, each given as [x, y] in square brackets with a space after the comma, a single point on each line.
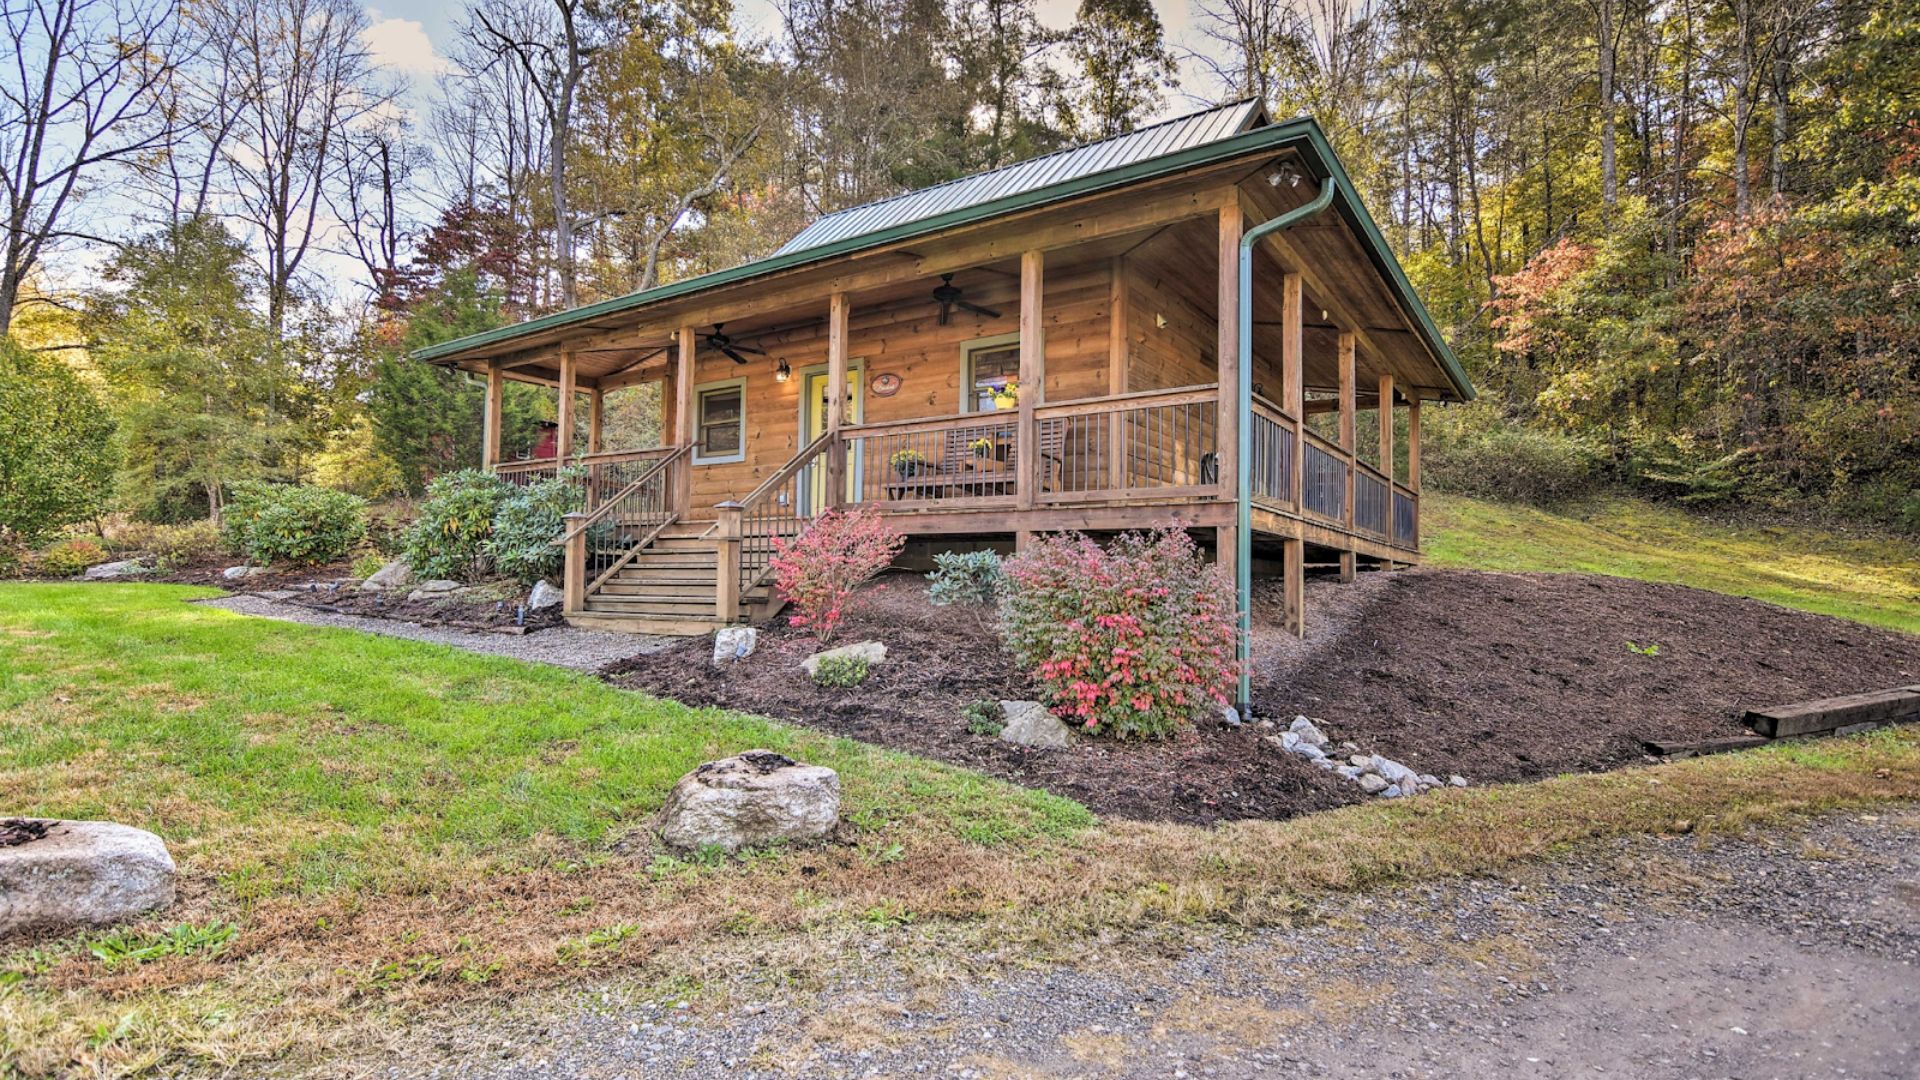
[1182, 324]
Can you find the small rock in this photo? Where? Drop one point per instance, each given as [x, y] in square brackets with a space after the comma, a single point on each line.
[750, 799]
[1457, 781]
[1322, 761]
[872, 652]
[1395, 772]
[1030, 724]
[1229, 716]
[1349, 771]
[122, 568]
[83, 873]
[1289, 740]
[1372, 784]
[732, 643]
[395, 575]
[1308, 732]
[1361, 761]
[544, 596]
[1429, 780]
[241, 573]
[434, 588]
[1392, 791]
[1309, 751]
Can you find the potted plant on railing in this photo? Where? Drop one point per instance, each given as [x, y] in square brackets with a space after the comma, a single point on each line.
[983, 448]
[907, 463]
[1007, 395]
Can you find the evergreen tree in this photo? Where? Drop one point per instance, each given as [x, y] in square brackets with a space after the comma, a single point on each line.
[1119, 53]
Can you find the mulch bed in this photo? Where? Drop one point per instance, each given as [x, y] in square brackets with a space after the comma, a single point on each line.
[1496, 677]
[938, 660]
[1501, 677]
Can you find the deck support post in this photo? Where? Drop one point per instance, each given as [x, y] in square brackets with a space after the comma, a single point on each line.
[1349, 437]
[1293, 557]
[490, 418]
[726, 578]
[564, 414]
[596, 420]
[839, 308]
[573, 589]
[1033, 377]
[683, 418]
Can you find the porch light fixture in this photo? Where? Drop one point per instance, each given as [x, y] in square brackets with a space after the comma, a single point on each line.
[1285, 174]
[783, 372]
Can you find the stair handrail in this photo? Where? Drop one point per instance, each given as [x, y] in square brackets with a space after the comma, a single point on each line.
[583, 522]
[732, 580]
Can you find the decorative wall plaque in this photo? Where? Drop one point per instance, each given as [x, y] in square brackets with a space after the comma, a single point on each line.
[885, 384]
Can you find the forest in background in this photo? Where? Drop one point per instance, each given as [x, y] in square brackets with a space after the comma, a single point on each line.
[1674, 242]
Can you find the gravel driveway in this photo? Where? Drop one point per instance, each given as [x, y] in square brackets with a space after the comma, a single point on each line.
[1789, 953]
[565, 646]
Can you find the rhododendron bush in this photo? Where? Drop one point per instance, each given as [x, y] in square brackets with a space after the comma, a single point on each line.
[1134, 640]
[819, 571]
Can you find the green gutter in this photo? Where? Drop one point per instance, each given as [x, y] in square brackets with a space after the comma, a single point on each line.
[1271, 137]
[1243, 408]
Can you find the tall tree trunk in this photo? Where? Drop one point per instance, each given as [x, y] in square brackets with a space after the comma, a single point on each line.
[1780, 88]
[1609, 165]
[1743, 101]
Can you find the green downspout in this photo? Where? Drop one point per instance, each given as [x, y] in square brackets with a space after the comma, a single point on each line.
[1243, 458]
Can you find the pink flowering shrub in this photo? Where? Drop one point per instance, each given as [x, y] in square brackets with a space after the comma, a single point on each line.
[819, 570]
[1135, 640]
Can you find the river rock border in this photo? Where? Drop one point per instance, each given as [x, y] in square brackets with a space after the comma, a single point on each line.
[1378, 776]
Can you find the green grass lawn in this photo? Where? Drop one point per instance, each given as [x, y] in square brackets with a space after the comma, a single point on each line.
[1872, 579]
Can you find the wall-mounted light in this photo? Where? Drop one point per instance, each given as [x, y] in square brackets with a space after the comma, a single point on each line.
[783, 372]
[1159, 320]
[1285, 175]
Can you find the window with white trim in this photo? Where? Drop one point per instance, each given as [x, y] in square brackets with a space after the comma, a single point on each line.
[988, 367]
[720, 422]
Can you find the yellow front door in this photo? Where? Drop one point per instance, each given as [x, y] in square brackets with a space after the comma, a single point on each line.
[813, 421]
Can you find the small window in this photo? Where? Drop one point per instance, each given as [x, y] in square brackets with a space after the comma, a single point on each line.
[989, 367]
[721, 430]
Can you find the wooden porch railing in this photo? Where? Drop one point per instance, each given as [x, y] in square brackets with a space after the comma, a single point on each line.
[779, 507]
[601, 540]
[1148, 444]
[1275, 439]
[1336, 487]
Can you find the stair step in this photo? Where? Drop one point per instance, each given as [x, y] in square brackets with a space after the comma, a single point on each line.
[682, 544]
[687, 605]
[641, 590]
[664, 575]
[667, 626]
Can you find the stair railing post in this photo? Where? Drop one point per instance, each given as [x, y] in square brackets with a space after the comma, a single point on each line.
[574, 581]
[726, 577]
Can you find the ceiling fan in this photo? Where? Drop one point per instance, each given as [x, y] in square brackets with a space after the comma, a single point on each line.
[721, 343]
[949, 296]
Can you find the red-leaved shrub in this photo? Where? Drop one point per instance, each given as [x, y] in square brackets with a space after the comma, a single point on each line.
[1134, 640]
[818, 571]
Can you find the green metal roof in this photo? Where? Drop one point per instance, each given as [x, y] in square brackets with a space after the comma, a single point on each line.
[1160, 150]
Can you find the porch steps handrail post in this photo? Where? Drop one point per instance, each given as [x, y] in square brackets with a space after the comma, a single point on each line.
[1243, 477]
[727, 536]
[574, 578]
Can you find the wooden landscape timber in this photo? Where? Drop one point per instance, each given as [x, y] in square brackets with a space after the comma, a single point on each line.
[1838, 715]
[1087, 377]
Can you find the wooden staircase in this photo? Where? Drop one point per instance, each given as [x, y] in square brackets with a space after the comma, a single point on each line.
[668, 588]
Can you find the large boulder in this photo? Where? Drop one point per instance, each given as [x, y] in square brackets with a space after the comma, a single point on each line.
[1029, 723]
[119, 569]
[59, 875]
[544, 596]
[241, 573]
[395, 575]
[436, 589]
[751, 799]
[732, 643]
[873, 652]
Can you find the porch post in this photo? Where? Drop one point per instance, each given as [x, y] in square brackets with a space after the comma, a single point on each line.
[596, 419]
[1227, 348]
[1386, 427]
[839, 308]
[683, 419]
[1413, 445]
[490, 418]
[1293, 381]
[573, 590]
[1117, 372]
[569, 376]
[1033, 376]
[1349, 438]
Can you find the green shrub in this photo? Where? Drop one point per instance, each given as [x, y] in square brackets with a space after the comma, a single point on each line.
[365, 566]
[56, 447]
[69, 557]
[1510, 464]
[526, 525]
[841, 672]
[293, 523]
[1135, 640]
[186, 544]
[126, 536]
[972, 578]
[450, 540]
[985, 717]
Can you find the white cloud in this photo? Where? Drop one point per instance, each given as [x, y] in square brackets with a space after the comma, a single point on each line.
[403, 45]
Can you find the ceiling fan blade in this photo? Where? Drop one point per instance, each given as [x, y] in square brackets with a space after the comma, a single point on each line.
[946, 311]
[978, 310]
[747, 349]
[732, 355]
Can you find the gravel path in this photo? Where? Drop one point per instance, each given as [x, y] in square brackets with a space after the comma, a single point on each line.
[1789, 953]
[565, 646]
